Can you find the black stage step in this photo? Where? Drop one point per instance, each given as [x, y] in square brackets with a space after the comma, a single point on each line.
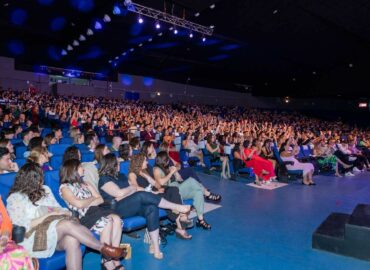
[345, 234]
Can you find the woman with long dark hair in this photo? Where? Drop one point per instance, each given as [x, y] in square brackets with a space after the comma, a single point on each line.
[83, 198]
[32, 205]
[133, 201]
[166, 175]
[139, 176]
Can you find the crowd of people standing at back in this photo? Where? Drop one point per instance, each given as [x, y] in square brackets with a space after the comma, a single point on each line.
[243, 137]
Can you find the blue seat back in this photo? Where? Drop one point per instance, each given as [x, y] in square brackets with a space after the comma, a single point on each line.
[58, 149]
[87, 156]
[45, 131]
[151, 162]
[6, 182]
[19, 151]
[82, 147]
[56, 162]
[276, 153]
[20, 161]
[124, 167]
[51, 179]
[306, 150]
[14, 141]
[66, 140]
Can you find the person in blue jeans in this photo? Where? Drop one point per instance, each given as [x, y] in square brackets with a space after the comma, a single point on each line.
[133, 200]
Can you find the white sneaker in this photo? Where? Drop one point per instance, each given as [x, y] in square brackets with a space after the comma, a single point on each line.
[267, 182]
[349, 174]
[355, 170]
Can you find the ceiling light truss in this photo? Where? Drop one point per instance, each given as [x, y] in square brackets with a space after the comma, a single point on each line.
[167, 18]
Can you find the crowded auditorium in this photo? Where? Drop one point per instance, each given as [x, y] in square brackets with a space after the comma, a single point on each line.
[179, 134]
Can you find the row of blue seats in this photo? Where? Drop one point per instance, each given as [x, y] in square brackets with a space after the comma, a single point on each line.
[51, 179]
[207, 159]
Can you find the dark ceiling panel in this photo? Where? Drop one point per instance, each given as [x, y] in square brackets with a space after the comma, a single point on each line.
[279, 47]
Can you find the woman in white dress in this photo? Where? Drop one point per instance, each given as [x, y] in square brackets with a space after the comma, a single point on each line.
[288, 150]
[30, 204]
[189, 144]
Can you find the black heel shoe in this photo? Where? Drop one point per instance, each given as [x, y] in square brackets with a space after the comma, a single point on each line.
[202, 223]
[213, 197]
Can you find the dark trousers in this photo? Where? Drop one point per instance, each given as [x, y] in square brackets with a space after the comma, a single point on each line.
[171, 194]
[143, 204]
[188, 172]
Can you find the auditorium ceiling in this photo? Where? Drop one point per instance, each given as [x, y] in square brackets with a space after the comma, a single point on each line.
[266, 47]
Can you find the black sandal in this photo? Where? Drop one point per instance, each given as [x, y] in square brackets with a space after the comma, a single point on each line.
[202, 223]
[213, 197]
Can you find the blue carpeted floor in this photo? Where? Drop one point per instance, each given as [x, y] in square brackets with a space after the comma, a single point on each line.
[259, 229]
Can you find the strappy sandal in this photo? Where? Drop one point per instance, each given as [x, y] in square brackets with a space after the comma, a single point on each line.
[203, 224]
[184, 235]
[213, 197]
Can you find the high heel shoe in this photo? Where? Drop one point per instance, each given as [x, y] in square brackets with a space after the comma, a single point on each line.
[110, 252]
[213, 197]
[203, 224]
[184, 235]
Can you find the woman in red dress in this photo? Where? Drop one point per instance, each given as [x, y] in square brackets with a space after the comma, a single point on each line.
[262, 168]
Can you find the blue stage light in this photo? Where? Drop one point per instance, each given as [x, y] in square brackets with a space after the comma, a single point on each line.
[58, 23]
[140, 20]
[175, 31]
[157, 25]
[18, 16]
[64, 52]
[98, 25]
[116, 10]
[82, 5]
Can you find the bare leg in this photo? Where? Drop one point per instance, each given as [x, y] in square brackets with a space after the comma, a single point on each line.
[154, 236]
[73, 252]
[106, 238]
[223, 167]
[78, 232]
[173, 206]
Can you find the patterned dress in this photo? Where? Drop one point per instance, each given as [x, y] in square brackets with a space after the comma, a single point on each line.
[81, 192]
[22, 211]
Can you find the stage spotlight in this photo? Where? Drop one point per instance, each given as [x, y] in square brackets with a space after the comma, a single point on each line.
[160, 34]
[98, 25]
[89, 32]
[132, 49]
[158, 93]
[204, 39]
[64, 52]
[141, 44]
[191, 35]
[175, 31]
[116, 10]
[82, 38]
[140, 20]
[124, 53]
[106, 18]
[212, 6]
[75, 43]
[212, 26]
[150, 39]
[197, 14]
[157, 25]
[69, 48]
[116, 57]
[287, 99]
[110, 61]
